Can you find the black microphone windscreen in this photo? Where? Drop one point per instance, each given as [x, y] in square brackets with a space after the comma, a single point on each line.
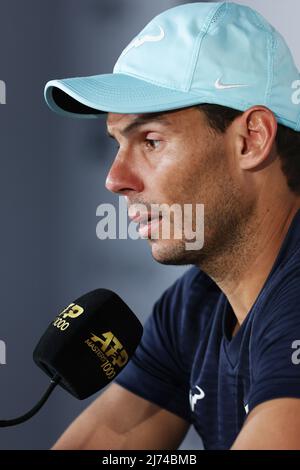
[89, 343]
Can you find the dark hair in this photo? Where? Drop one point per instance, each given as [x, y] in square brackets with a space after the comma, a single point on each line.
[287, 140]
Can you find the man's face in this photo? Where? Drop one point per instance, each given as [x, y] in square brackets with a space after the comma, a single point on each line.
[177, 159]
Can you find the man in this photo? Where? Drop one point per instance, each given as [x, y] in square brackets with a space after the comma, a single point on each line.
[203, 103]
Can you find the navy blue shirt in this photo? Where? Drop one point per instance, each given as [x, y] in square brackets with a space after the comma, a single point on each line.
[188, 363]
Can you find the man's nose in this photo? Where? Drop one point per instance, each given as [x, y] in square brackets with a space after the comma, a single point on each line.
[123, 177]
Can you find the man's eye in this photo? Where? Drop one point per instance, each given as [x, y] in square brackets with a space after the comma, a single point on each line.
[152, 143]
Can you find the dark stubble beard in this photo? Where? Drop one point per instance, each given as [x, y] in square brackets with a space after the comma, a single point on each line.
[229, 235]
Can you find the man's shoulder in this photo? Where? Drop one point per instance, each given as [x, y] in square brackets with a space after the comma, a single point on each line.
[286, 279]
[279, 300]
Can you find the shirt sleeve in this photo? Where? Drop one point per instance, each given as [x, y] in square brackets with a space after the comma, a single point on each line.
[155, 371]
[275, 357]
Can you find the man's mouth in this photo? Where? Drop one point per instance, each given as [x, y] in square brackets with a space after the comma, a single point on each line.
[139, 218]
[149, 226]
[148, 221]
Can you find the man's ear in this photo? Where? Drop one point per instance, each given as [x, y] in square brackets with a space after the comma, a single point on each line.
[254, 135]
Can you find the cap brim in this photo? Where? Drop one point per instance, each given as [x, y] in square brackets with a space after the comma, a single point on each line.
[90, 97]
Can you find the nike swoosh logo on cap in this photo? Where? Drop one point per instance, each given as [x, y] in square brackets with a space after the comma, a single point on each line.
[137, 42]
[223, 86]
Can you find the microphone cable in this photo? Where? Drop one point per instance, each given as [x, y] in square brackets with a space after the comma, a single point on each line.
[12, 422]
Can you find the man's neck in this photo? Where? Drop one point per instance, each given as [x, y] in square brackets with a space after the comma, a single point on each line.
[250, 269]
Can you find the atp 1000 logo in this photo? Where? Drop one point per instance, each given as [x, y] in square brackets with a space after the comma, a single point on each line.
[110, 351]
[71, 311]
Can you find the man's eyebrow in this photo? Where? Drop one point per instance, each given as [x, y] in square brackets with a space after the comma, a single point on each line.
[139, 121]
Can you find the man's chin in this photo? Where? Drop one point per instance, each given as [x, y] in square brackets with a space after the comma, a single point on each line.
[171, 252]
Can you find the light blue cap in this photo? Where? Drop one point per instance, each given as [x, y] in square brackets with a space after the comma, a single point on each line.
[222, 53]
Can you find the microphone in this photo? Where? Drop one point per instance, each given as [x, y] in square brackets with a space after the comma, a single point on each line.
[86, 346]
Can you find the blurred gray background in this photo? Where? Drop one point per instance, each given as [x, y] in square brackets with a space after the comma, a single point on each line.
[52, 177]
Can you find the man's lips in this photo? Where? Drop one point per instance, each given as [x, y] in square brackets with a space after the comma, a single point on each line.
[148, 223]
[144, 218]
[140, 218]
[148, 228]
